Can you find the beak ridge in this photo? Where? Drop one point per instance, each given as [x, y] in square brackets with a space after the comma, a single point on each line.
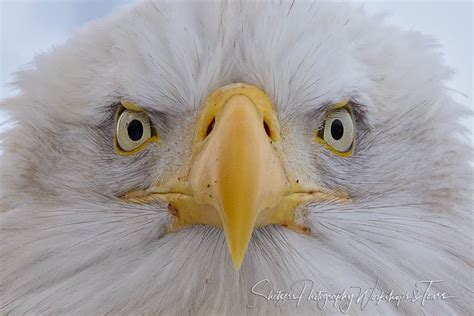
[238, 172]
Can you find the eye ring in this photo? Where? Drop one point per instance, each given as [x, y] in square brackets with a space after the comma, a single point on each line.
[133, 130]
[338, 132]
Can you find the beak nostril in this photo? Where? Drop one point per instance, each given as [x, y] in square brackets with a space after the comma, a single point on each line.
[267, 129]
[210, 127]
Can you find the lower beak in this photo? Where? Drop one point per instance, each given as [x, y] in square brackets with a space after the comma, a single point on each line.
[238, 172]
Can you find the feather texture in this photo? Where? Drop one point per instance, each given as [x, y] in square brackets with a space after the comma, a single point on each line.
[69, 245]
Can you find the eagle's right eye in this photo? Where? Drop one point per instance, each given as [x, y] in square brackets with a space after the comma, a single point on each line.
[337, 133]
[133, 130]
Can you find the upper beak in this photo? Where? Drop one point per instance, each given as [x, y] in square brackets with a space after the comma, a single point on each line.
[238, 172]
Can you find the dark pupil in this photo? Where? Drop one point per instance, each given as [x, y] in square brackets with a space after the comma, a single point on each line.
[135, 130]
[337, 129]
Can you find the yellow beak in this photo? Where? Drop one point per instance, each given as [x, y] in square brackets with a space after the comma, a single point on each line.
[237, 172]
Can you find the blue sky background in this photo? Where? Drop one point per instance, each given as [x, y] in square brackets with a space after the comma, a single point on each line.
[31, 26]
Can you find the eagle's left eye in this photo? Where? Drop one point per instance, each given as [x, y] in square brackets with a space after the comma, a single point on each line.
[337, 133]
[132, 132]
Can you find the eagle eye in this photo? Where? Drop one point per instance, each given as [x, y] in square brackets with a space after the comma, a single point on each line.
[133, 129]
[337, 133]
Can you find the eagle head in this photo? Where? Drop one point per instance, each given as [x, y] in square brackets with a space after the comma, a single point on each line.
[191, 157]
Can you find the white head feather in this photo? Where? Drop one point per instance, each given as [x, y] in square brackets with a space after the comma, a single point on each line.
[68, 244]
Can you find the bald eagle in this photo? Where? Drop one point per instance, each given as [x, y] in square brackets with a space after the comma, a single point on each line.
[236, 157]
